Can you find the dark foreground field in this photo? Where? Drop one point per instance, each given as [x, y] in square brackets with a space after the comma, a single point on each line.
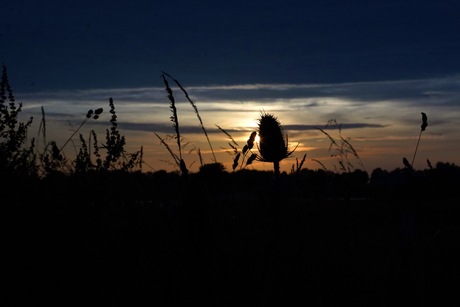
[234, 240]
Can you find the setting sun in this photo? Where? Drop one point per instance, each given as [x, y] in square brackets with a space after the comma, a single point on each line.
[257, 139]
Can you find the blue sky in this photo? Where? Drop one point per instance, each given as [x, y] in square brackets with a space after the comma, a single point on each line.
[371, 65]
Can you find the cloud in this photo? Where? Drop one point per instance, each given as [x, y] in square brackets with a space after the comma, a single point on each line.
[436, 91]
[446, 90]
[381, 104]
[189, 129]
[168, 129]
[324, 127]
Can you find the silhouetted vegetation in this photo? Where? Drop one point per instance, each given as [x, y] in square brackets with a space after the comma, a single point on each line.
[99, 229]
[273, 146]
[340, 149]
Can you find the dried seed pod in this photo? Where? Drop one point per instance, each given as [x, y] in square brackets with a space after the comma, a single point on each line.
[251, 140]
[406, 163]
[424, 121]
[235, 161]
[251, 159]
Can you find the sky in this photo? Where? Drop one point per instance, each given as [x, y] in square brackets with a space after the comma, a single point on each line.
[371, 67]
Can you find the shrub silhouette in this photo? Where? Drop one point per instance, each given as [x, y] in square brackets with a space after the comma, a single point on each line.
[14, 157]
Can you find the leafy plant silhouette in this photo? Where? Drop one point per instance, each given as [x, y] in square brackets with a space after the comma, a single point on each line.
[116, 156]
[14, 157]
[52, 159]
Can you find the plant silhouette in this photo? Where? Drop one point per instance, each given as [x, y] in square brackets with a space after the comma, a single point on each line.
[273, 143]
[422, 128]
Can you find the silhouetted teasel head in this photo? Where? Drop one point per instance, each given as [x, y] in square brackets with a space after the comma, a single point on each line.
[273, 144]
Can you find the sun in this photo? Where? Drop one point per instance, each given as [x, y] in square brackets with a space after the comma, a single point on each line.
[257, 139]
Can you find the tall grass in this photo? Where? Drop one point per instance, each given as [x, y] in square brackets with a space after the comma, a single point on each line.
[178, 159]
[298, 165]
[422, 128]
[195, 108]
[243, 153]
[340, 149]
[175, 122]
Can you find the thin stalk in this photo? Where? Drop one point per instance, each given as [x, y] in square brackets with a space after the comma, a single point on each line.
[196, 112]
[173, 117]
[422, 128]
[75, 132]
[416, 147]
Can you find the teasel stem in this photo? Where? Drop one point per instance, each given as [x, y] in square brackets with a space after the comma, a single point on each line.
[276, 168]
[422, 128]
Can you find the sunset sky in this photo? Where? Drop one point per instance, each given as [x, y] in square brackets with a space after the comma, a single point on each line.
[372, 66]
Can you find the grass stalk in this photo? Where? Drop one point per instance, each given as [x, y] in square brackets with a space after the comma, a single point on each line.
[175, 157]
[422, 128]
[195, 108]
[174, 118]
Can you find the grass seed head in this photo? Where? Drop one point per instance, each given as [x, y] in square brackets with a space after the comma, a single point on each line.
[424, 122]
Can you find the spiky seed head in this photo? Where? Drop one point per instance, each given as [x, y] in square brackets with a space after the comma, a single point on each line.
[424, 121]
[273, 145]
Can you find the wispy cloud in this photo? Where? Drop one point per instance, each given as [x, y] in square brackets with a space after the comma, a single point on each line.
[388, 105]
[436, 91]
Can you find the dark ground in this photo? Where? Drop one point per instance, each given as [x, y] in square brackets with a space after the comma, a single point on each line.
[223, 240]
